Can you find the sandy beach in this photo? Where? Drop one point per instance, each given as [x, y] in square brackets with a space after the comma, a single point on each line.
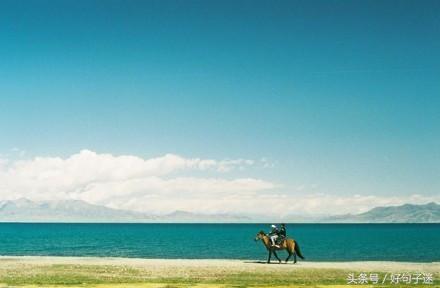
[215, 264]
[111, 272]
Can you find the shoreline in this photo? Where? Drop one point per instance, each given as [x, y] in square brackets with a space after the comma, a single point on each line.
[233, 264]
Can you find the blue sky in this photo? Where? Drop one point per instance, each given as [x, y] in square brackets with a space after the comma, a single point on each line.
[341, 96]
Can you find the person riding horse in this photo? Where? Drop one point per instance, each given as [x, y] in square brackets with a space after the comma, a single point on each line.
[283, 232]
[288, 244]
[274, 235]
[277, 235]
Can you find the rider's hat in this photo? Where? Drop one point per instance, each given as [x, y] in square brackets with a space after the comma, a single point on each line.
[273, 226]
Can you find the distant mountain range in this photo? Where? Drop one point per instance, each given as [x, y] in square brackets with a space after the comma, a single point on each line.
[408, 213]
[25, 210]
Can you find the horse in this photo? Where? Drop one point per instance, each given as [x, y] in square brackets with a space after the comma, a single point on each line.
[288, 244]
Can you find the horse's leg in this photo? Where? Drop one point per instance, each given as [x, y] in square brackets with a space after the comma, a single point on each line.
[275, 253]
[288, 257]
[294, 257]
[289, 250]
[270, 255]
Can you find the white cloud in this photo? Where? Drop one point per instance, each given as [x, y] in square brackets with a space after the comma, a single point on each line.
[166, 195]
[265, 203]
[167, 183]
[327, 204]
[117, 180]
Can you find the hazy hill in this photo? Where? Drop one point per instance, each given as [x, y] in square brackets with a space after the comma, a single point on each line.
[408, 213]
[25, 210]
[183, 216]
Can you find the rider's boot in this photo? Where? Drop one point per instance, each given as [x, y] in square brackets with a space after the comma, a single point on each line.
[274, 244]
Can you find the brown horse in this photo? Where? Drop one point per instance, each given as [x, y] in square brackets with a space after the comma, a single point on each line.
[288, 244]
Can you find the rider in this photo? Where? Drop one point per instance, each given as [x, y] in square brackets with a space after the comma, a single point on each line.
[282, 232]
[274, 234]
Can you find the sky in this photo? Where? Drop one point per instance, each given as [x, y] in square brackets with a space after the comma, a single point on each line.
[279, 107]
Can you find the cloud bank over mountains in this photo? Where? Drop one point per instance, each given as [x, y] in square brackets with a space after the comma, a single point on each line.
[169, 183]
[158, 184]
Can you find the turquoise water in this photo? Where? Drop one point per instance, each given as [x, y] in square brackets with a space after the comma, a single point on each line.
[318, 242]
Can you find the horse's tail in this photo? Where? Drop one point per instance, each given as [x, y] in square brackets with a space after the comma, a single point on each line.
[298, 251]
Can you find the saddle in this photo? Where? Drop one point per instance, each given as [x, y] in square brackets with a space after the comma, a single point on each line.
[280, 240]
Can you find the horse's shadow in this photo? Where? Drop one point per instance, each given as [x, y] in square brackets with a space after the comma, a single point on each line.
[254, 262]
[263, 262]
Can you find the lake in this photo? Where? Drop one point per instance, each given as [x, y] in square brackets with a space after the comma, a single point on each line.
[318, 242]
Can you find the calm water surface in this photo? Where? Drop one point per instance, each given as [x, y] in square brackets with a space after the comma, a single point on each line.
[318, 242]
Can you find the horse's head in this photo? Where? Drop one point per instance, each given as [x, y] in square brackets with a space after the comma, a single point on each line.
[260, 235]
